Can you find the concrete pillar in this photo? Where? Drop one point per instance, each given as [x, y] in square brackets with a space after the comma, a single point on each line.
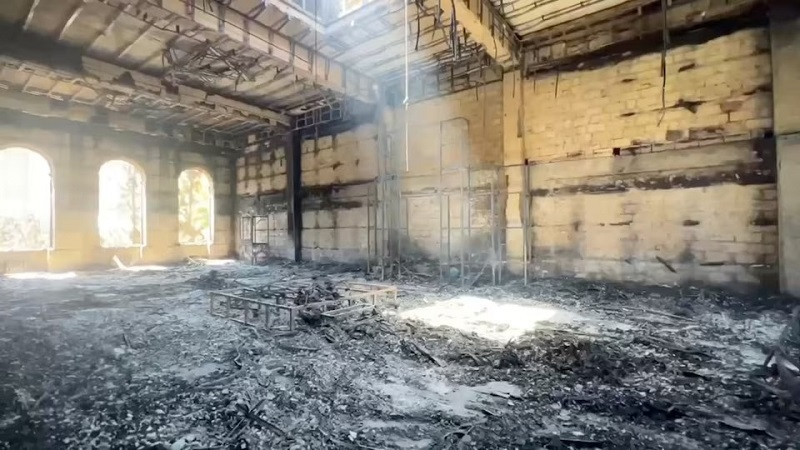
[294, 197]
[785, 43]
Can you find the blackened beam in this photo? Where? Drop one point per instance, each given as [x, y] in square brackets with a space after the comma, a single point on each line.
[44, 58]
[486, 26]
[222, 20]
[294, 197]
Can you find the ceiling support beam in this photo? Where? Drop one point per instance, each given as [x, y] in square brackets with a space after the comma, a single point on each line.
[486, 26]
[72, 17]
[104, 77]
[29, 17]
[303, 60]
[108, 74]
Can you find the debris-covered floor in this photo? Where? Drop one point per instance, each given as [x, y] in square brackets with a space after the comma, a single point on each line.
[133, 359]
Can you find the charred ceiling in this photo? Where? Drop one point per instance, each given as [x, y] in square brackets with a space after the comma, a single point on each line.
[244, 69]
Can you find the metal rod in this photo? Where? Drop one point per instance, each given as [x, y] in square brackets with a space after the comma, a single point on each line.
[493, 255]
[449, 244]
[400, 227]
[469, 216]
[525, 220]
[461, 227]
[441, 212]
[369, 231]
[408, 224]
[375, 221]
[406, 100]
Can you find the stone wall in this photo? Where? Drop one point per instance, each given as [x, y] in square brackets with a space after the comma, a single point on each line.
[76, 153]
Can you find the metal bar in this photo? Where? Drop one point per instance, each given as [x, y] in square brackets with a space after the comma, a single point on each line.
[493, 237]
[439, 193]
[369, 231]
[408, 224]
[375, 220]
[469, 216]
[525, 219]
[449, 243]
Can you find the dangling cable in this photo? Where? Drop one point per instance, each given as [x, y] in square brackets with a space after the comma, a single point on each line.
[406, 100]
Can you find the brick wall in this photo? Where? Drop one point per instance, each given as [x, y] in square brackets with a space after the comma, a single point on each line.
[692, 184]
[75, 154]
[337, 179]
[710, 213]
[460, 135]
[338, 174]
[720, 88]
[262, 227]
[616, 182]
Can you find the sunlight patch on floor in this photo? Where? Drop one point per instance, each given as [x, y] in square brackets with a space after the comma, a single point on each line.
[487, 318]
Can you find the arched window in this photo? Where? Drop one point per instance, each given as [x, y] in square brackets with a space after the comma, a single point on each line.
[195, 207]
[26, 200]
[120, 219]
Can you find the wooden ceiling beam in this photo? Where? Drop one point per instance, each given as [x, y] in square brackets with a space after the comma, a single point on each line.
[306, 62]
[486, 26]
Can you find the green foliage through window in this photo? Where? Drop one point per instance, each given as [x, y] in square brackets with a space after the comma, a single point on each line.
[195, 207]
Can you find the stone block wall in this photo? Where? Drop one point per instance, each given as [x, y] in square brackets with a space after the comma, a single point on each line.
[454, 156]
[619, 184]
[338, 182]
[693, 215]
[720, 88]
[261, 203]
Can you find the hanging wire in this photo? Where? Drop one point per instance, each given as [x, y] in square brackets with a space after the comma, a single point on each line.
[406, 100]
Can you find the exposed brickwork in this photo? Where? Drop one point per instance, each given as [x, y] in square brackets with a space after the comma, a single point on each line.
[338, 181]
[719, 88]
[697, 189]
[261, 210]
[722, 232]
[452, 133]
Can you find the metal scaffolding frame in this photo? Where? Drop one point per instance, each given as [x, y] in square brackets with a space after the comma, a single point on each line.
[392, 227]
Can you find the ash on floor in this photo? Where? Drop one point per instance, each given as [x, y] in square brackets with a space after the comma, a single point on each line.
[133, 359]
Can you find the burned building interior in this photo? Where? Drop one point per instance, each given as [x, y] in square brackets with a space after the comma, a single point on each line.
[378, 224]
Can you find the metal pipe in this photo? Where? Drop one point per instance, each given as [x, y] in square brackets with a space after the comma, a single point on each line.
[439, 197]
[461, 227]
[449, 244]
[408, 224]
[492, 233]
[406, 100]
[375, 221]
[525, 220]
[369, 231]
[469, 217]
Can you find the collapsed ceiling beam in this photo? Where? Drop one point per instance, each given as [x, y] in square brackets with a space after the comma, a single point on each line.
[486, 26]
[109, 75]
[303, 60]
[114, 98]
[35, 51]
